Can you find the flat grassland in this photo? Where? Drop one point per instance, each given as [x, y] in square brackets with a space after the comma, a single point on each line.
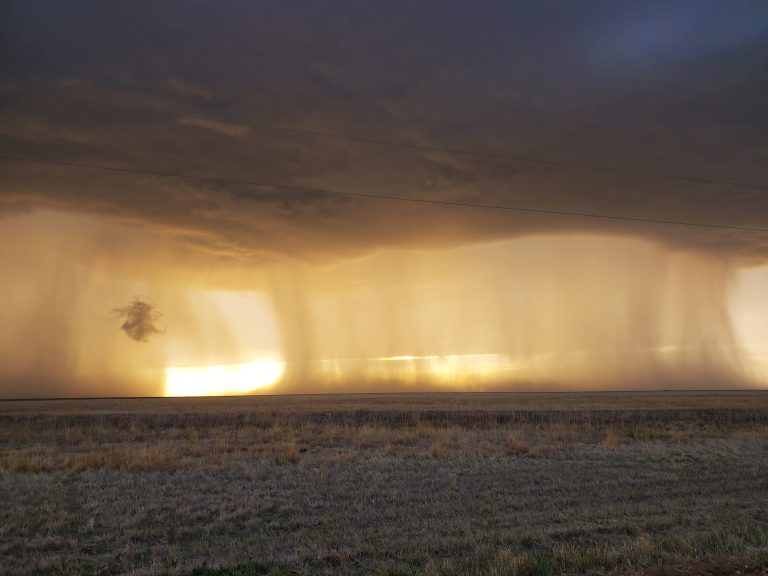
[503, 484]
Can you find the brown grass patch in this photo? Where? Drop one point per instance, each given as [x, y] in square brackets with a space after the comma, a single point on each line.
[515, 446]
[286, 453]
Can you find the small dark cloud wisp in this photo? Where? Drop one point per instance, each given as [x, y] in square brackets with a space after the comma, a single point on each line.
[139, 320]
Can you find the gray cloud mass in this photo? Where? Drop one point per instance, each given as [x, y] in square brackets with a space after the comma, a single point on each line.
[139, 319]
[644, 86]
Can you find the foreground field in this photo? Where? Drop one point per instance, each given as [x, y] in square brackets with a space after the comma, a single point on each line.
[390, 484]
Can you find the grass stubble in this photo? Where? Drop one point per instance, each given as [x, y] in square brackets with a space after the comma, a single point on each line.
[443, 484]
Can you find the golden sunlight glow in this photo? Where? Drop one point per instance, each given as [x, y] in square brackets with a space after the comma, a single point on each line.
[223, 379]
[454, 366]
[448, 369]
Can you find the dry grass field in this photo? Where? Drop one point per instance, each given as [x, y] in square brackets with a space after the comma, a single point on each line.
[501, 484]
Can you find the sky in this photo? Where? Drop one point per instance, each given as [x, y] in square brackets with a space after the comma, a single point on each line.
[329, 286]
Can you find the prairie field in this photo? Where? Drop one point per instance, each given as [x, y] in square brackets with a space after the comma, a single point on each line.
[501, 484]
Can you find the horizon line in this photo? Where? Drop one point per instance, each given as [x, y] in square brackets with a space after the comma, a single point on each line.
[399, 393]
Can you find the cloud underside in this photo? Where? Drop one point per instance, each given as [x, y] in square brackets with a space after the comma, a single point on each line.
[619, 88]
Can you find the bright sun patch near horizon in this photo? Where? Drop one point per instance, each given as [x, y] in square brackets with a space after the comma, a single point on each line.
[222, 379]
[228, 345]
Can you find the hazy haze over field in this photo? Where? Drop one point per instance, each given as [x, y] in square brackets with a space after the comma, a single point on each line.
[317, 292]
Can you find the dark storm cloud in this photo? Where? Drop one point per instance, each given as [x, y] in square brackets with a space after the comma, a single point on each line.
[139, 320]
[676, 88]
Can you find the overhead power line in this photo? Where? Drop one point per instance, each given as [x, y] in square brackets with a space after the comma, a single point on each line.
[328, 191]
[393, 143]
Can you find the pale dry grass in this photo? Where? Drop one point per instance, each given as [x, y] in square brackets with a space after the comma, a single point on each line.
[147, 441]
